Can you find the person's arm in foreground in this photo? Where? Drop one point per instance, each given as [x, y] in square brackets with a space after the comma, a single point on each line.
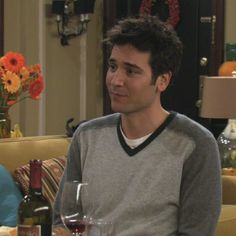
[200, 197]
[72, 172]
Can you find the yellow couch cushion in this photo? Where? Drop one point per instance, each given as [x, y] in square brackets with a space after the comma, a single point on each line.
[227, 222]
[229, 189]
[15, 152]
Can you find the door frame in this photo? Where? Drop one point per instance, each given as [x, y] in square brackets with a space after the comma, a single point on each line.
[109, 18]
[1, 27]
[217, 51]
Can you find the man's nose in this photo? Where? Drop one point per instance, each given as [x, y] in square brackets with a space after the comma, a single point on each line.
[117, 78]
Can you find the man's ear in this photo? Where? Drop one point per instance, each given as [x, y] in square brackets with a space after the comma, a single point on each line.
[163, 81]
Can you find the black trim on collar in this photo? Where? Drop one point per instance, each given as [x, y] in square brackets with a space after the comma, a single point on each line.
[133, 151]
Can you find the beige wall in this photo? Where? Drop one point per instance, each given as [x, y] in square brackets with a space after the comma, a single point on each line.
[230, 19]
[73, 74]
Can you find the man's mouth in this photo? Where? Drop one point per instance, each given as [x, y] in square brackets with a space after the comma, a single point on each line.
[118, 94]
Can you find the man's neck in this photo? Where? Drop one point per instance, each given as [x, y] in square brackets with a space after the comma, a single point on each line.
[138, 125]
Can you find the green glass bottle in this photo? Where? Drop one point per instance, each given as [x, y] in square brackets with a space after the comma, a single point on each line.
[35, 212]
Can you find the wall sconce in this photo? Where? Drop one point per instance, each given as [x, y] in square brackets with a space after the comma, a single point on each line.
[69, 26]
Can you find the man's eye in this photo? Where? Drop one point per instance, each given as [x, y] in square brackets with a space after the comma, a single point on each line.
[112, 67]
[131, 71]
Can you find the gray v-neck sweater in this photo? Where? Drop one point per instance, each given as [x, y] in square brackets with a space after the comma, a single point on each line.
[169, 185]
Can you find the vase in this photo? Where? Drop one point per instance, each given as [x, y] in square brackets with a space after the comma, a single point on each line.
[5, 123]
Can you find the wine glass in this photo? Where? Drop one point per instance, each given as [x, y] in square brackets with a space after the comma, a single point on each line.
[74, 212]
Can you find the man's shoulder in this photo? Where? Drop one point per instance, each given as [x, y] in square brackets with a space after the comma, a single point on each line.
[183, 130]
[100, 122]
[191, 128]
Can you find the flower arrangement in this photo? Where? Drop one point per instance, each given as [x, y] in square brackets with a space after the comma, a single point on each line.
[18, 81]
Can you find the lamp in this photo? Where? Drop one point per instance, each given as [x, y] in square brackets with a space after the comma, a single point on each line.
[66, 10]
[218, 100]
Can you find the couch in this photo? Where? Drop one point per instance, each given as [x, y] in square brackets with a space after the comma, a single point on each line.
[16, 152]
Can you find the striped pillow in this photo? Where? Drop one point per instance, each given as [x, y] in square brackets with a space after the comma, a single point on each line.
[52, 170]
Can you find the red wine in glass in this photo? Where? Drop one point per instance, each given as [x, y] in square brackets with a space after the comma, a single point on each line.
[73, 211]
[76, 227]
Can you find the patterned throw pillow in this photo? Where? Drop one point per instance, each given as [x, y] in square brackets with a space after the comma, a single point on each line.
[52, 170]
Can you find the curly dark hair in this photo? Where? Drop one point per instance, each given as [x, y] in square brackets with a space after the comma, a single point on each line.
[149, 34]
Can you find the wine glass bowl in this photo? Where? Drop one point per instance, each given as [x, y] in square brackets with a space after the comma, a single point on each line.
[77, 211]
[73, 212]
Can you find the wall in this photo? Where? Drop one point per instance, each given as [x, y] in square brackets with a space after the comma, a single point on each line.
[230, 19]
[73, 74]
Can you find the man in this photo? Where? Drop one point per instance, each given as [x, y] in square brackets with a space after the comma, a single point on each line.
[150, 171]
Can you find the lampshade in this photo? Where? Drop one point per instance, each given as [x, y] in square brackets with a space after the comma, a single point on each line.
[84, 6]
[58, 7]
[218, 97]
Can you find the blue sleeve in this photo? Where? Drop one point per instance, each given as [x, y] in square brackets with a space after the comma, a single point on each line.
[10, 198]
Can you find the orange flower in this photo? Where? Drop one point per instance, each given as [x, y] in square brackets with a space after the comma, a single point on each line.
[13, 61]
[36, 68]
[1, 71]
[36, 87]
[17, 80]
[1, 61]
[24, 74]
[11, 82]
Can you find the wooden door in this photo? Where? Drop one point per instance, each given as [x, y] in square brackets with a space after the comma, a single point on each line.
[201, 30]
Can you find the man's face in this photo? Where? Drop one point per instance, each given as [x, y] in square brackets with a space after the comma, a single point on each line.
[129, 80]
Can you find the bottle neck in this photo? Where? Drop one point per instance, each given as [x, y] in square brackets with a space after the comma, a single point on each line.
[35, 184]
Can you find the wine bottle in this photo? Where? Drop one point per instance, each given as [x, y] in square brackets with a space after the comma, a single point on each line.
[34, 212]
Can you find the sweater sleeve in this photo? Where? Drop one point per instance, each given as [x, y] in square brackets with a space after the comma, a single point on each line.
[72, 172]
[200, 195]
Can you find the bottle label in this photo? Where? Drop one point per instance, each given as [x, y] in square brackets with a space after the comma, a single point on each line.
[29, 230]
